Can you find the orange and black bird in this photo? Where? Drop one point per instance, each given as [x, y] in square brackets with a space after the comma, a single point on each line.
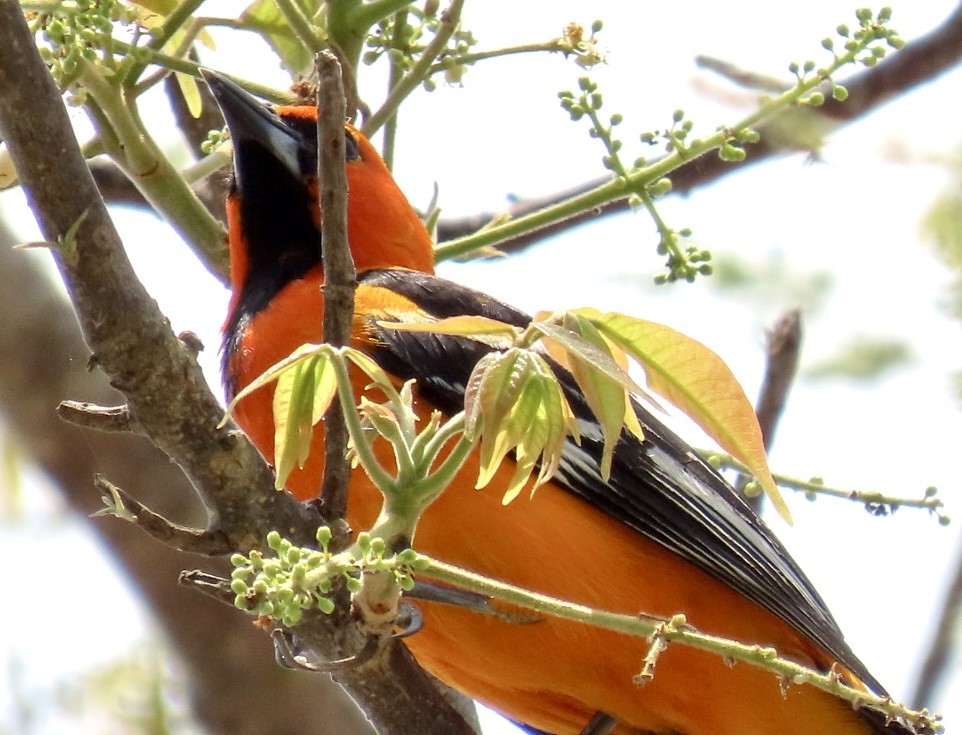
[665, 534]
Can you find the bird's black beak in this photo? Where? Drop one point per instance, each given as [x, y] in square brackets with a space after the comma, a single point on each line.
[255, 127]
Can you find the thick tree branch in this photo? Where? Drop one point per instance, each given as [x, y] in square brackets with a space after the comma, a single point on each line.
[132, 342]
[44, 359]
[920, 61]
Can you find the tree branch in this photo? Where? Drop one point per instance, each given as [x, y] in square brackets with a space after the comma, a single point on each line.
[782, 348]
[40, 329]
[130, 338]
[920, 61]
[939, 657]
[340, 277]
[394, 692]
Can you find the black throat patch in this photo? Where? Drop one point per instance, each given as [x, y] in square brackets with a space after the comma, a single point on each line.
[282, 241]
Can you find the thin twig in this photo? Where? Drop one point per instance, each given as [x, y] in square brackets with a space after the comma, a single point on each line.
[920, 61]
[340, 277]
[215, 587]
[120, 504]
[450, 19]
[783, 345]
[111, 419]
[875, 503]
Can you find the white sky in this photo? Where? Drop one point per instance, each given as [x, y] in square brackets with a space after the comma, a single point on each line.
[855, 214]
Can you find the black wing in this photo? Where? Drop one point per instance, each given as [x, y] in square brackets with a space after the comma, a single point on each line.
[660, 487]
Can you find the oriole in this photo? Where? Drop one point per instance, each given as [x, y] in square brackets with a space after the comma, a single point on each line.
[666, 531]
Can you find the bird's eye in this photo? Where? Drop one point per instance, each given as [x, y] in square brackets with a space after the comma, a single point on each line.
[351, 150]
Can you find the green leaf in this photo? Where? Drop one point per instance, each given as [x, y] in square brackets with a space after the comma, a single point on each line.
[457, 326]
[516, 401]
[605, 384]
[263, 17]
[370, 368]
[698, 382]
[293, 398]
[302, 396]
[270, 375]
[188, 88]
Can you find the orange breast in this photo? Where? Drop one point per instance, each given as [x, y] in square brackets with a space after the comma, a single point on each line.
[554, 674]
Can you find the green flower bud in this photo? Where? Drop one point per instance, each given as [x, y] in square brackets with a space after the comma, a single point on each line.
[660, 187]
[292, 618]
[239, 587]
[731, 153]
[298, 574]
